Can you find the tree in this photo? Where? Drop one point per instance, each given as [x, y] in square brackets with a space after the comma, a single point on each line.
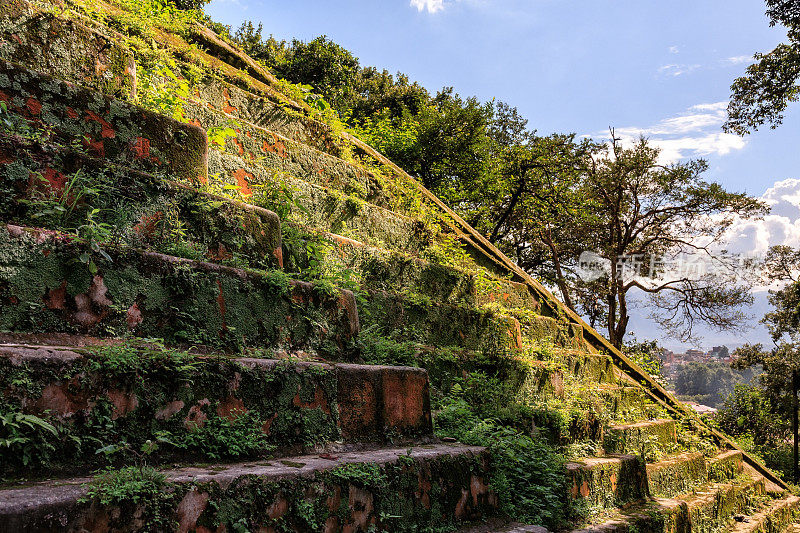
[639, 211]
[708, 383]
[771, 83]
[330, 69]
[781, 378]
[190, 4]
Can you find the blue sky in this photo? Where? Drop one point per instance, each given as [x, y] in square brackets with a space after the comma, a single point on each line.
[661, 68]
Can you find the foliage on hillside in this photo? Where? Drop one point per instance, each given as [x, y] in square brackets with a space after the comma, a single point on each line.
[544, 200]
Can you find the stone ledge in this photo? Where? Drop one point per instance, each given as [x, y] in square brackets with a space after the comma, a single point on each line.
[44, 288]
[436, 485]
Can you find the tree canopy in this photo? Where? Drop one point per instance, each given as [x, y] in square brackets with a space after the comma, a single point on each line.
[770, 84]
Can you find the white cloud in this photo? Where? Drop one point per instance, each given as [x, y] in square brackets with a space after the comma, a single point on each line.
[738, 60]
[431, 6]
[693, 133]
[674, 49]
[780, 226]
[675, 70]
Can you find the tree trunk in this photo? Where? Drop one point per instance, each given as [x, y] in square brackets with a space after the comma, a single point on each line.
[795, 385]
[547, 237]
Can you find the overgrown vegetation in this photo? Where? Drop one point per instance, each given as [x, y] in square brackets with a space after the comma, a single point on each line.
[145, 379]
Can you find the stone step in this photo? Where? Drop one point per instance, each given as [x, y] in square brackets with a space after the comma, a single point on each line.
[144, 210]
[45, 286]
[278, 154]
[502, 526]
[469, 329]
[714, 505]
[710, 509]
[725, 465]
[607, 482]
[262, 111]
[299, 406]
[108, 128]
[754, 525]
[388, 270]
[625, 401]
[66, 48]
[389, 489]
[677, 474]
[640, 437]
[324, 209]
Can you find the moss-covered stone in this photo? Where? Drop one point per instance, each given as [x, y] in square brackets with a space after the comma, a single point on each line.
[132, 392]
[104, 126]
[44, 287]
[422, 489]
[325, 209]
[266, 113]
[607, 482]
[640, 437]
[143, 210]
[65, 48]
[676, 475]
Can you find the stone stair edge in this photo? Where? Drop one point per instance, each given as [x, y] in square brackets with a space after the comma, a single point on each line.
[56, 504]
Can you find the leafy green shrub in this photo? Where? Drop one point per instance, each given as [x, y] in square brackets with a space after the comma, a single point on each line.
[220, 437]
[528, 475]
[26, 439]
[137, 485]
[377, 349]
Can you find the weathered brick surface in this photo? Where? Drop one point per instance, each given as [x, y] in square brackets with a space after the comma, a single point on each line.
[441, 485]
[264, 112]
[301, 404]
[271, 150]
[65, 48]
[108, 128]
[44, 287]
[145, 211]
[607, 482]
[640, 437]
[677, 475]
[326, 209]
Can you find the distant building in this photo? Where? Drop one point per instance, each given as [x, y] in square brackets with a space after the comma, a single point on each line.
[701, 409]
[695, 355]
[719, 352]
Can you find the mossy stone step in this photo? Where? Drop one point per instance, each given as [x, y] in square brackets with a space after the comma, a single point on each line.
[266, 113]
[625, 402]
[272, 151]
[325, 209]
[775, 518]
[471, 329]
[145, 211]
[640, 436]
[108, 128]
[677, 474]
[715, 505]
[44, 287]
[65, 48]
[710, 510]
[391, 489]
[299, 406]
[725, 465]
[607, 482]
[383, 269]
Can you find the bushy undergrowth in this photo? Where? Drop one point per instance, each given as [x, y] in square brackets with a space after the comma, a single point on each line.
[137, 485]
[221, 438]
[527, 472]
